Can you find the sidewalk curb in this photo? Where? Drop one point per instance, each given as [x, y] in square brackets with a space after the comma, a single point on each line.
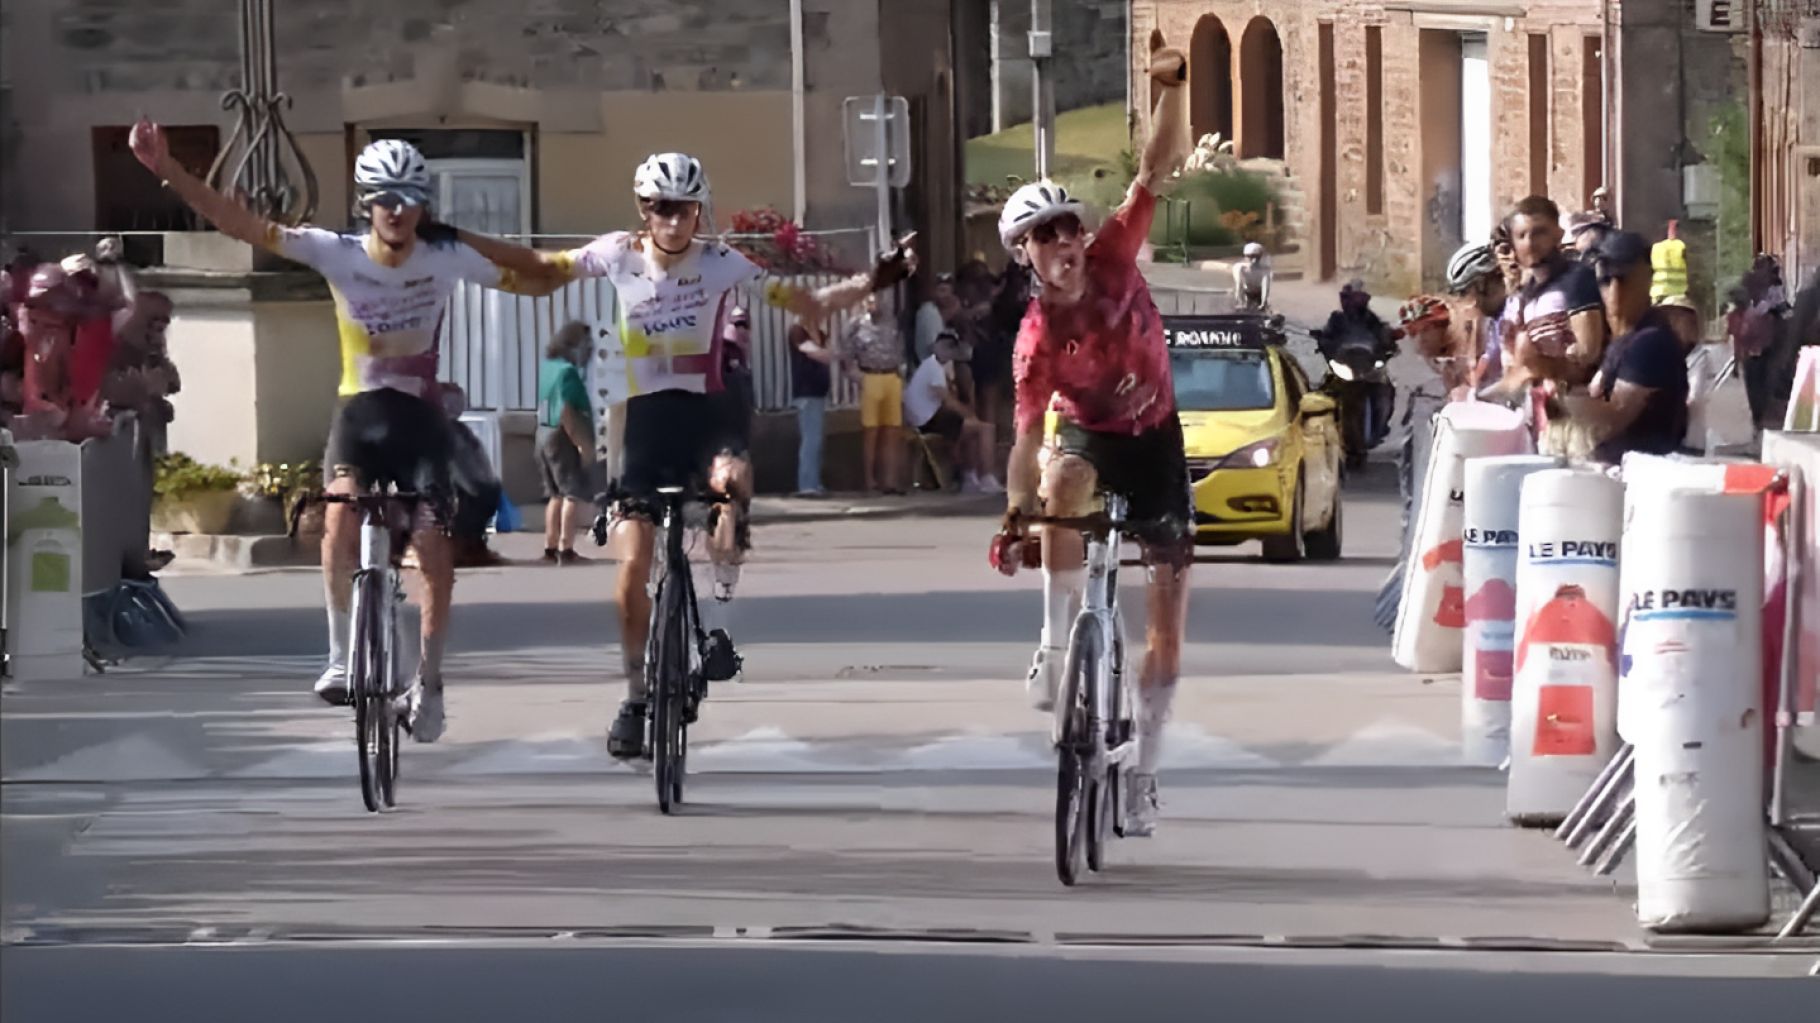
[258, 553]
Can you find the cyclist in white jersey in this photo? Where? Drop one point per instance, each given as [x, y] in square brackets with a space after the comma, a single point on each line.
[390, 283]
[671, 285]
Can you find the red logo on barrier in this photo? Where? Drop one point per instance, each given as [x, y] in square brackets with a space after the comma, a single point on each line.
[1564, 722]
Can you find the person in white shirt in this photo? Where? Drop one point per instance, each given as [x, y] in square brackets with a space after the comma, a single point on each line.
[932, 407]
[671, 281]
[935, 315]
[1251, 280]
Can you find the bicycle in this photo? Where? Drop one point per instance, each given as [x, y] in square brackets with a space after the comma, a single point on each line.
[677, 672]
[1094, 733]
[387, 517]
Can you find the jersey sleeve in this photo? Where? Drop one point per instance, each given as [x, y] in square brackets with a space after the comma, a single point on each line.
[311, 246]
[1032, 383]
[475, 268]
[1125, 232]
[598, 258]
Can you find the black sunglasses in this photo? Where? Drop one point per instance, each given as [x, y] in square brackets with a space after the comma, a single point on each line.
[1046, 233]
[390, 200]
[667, 208]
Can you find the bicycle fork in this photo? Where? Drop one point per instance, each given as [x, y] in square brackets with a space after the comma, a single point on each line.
[1110, 743]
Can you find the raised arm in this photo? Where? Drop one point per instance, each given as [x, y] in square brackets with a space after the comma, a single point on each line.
[520, 259]
[1164, 150]
[820, 304]
[229, 215]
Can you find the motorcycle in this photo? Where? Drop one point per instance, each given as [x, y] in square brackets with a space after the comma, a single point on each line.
[1358, 380]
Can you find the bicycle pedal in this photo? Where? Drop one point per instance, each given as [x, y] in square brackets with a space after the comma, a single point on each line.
[719, 660]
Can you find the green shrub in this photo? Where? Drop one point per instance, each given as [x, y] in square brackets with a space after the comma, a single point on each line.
[177, 476]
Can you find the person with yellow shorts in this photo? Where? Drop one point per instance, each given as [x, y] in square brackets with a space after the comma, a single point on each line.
[875, 355]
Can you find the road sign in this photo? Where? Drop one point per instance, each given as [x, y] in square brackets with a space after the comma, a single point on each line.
[864, 139]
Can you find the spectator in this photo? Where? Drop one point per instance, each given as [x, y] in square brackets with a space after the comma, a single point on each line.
[810, 381]
[1750, 330]
[1584, 232]
[875, 354]
[118, 286]
[1638, 399]
[736, 395]
[478, 492]
[565, 441]
[936, 314]
[1555, 321]
[931, 404]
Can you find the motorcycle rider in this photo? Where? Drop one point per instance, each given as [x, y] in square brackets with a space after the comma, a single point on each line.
[1251, 280]
[1355, 317]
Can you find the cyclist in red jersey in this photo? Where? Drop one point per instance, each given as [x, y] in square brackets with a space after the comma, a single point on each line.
[1092, 341]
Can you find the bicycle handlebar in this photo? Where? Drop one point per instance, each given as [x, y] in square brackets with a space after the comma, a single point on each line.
[365, 499]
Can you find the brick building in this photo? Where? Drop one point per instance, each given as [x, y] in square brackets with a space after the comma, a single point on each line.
[536, 110]
[1409, 125]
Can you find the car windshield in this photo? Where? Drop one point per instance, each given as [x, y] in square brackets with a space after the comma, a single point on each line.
[1223, 381]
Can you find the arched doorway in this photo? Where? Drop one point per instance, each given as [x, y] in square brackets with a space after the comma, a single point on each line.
[1210, 79]
[1261, 91]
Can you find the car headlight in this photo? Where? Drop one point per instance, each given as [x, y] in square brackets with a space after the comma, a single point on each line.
[1252, 456]
[1380, 364]
[1340, 369]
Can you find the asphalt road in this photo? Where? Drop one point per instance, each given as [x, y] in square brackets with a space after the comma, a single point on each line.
[710, 984]
[875, 776]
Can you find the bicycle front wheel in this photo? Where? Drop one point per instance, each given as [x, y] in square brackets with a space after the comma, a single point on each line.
[366, 679]
[669, 694]
[1077, 791]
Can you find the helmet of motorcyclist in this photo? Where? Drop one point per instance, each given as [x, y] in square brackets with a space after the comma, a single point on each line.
[395, 167]
[1472, 262]
[1033, 205]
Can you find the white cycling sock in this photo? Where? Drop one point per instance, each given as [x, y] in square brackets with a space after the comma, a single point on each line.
[1062, 588]
[1152, 714]
[341, 622]
[634, 664]
[430, 669]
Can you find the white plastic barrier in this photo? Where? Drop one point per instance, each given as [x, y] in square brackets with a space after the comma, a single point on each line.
[1800, 453]
[1489, 565]
[1565, 691]
[1694, 642]
[1432, 617]
[44, 561]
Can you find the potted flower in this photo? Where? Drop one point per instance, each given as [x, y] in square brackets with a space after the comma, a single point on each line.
[191, 497]
[278, 486]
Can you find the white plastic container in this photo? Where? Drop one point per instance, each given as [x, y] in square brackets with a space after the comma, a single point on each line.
[1564, 692]
[1694, 685]
[44, 561]
[1431, 619]
[1494, 488]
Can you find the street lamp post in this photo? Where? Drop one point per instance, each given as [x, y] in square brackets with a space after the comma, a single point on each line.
[253, 163]
[1042, 50]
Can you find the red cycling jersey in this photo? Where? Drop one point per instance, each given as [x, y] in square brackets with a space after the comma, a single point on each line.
[1103, 359]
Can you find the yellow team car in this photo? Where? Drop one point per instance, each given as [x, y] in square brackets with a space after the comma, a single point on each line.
[1263, 446]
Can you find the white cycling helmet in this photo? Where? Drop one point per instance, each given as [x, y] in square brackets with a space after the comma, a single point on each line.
[675, 176]
[1253, 249]
[393, 165]
[1036, 203]
[1472, 262]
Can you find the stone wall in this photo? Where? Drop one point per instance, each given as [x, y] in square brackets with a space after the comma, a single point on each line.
[1391, 249]
[581, 74]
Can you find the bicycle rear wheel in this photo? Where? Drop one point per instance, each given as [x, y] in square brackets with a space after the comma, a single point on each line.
[1076, 791]
[365, 680]
[669, 693]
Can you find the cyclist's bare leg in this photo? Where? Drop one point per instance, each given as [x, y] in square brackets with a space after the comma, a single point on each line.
[1166, 599]
[730, 475]
[635, 542]
[340, 557]
[1066, 488]
[434, 591]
